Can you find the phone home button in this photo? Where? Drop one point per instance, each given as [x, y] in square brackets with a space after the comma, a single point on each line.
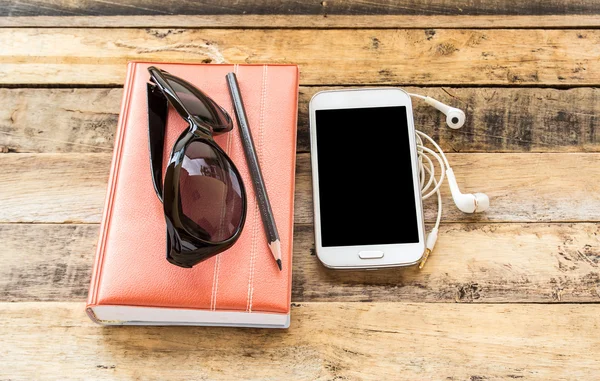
[370, 254]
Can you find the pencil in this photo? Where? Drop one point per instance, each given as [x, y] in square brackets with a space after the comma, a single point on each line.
[264, 205]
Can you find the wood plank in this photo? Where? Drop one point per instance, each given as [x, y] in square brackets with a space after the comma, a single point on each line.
[581, 21]
[498, 119]
[291, 7]
[522, 187]
[59, 120]
[474, 263]
[57, 188]
[326, 341]
[326, 57]
[46, 262]
[471, 263]
[66, 187]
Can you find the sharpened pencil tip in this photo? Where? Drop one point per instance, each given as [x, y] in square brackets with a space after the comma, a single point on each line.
[276, 251]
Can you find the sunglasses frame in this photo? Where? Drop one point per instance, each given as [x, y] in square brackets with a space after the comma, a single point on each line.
[187, 243]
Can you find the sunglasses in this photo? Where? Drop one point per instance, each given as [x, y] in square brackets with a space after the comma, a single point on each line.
[202, 192]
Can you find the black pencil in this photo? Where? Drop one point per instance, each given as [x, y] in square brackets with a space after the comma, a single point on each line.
[264, 205]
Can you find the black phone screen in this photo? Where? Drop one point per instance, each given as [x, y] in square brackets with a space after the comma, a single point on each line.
[365, 177]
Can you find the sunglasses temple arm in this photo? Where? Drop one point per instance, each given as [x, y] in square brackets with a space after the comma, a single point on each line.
[158, 107]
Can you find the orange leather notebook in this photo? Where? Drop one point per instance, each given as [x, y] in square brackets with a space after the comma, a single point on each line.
[132, 282]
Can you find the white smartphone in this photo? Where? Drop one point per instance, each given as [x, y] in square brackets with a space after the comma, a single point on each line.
[366, 191]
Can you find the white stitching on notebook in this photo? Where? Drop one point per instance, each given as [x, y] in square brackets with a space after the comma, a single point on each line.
[218, 265]
[250, 274]
[213, 305]
[252, 251]
[212, 295]
[263, 98]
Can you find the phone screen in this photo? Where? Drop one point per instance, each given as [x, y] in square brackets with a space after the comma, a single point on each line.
[365, 177]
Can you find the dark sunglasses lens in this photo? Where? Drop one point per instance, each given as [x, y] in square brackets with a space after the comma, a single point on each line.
[199, 104]
[210, 191]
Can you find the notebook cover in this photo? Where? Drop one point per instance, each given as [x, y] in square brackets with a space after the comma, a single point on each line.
[130, 267]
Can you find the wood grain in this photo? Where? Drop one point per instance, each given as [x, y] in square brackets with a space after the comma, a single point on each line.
[521, 187]
[526, 74]
[326, 341]
[291, 7]
[57, 188]
[326, 57]
[58, 120]
[52, 188]
[472, 263]
[382, 21]
[46, 262]
[498, 119]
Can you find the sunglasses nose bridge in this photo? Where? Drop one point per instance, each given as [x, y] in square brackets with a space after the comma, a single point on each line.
[199, 129]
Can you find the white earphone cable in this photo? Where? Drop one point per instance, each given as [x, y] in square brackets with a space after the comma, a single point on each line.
[427, 171]
[427, 177]
[417, 95]
[468, 203]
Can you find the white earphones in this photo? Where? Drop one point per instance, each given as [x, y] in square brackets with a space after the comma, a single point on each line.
[455, 118]
[469, 202]
[466, 202]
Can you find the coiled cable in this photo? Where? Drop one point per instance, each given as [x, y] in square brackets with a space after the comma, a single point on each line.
[430, 182]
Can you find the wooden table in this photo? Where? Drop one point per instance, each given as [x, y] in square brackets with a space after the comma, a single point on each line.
[509, 294]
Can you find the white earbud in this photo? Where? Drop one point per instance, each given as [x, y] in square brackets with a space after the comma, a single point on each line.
[467, 202]
[455, 118]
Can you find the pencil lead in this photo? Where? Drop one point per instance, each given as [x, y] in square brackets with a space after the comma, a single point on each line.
[279, 264]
